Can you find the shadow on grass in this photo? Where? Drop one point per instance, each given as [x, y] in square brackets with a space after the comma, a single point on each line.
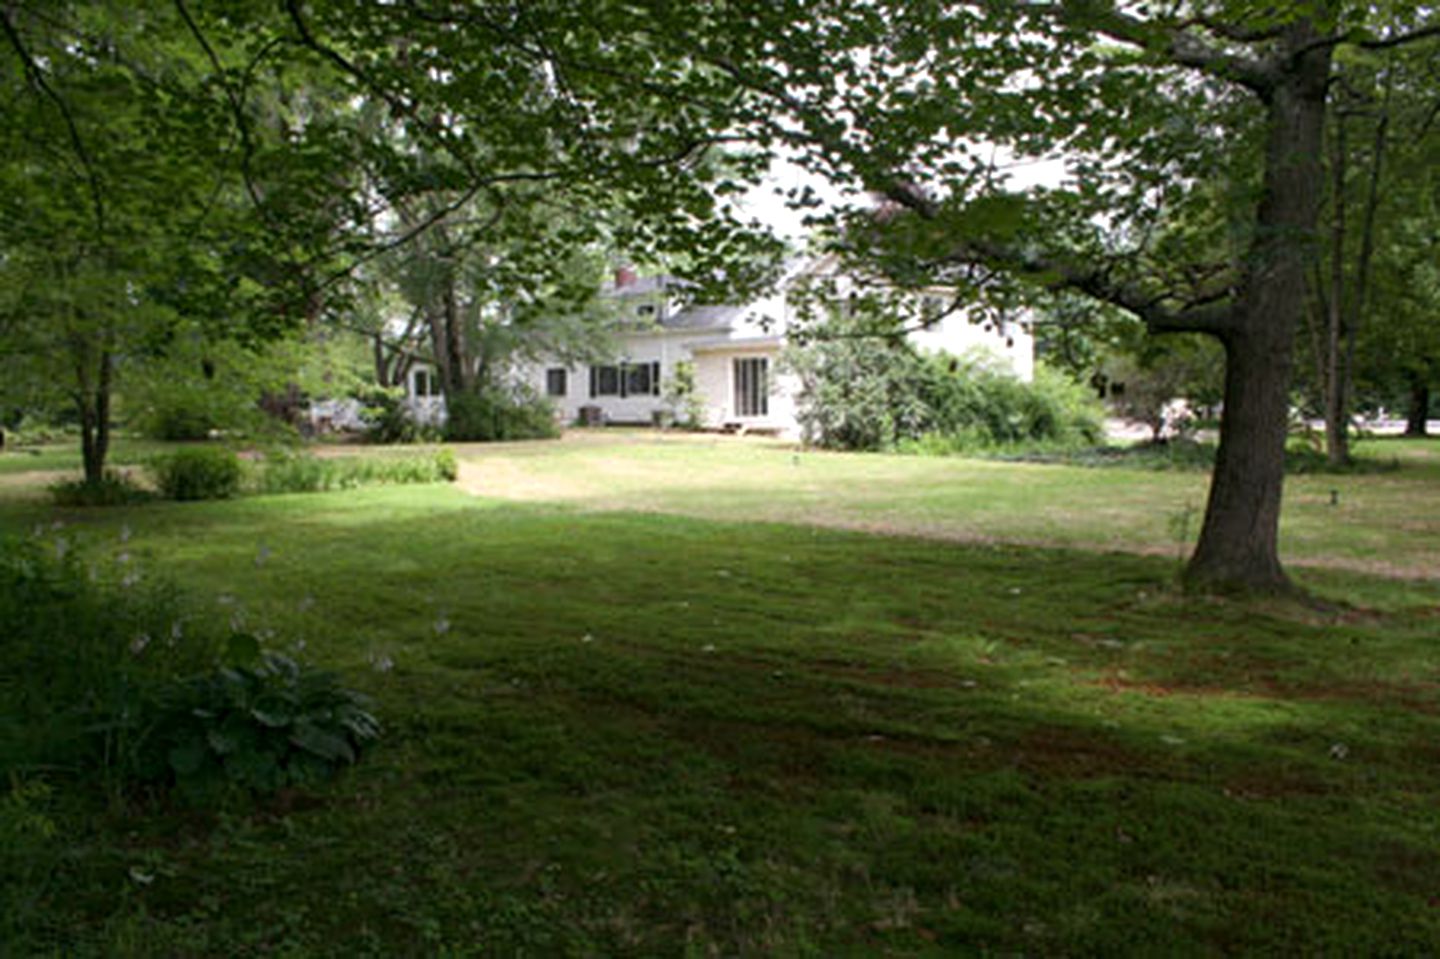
[640, 734]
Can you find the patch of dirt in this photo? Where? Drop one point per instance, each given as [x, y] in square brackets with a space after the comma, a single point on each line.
[37, 478]
[894, 677]
[1420, 697]
[1273, 784]
[496, 476]
[1063, 751]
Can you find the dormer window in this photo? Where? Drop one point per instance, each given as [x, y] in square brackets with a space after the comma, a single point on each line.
[645, 309]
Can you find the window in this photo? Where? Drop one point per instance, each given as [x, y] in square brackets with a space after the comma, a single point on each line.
[555, 381]
[627, 379]
[752, 387]
[604, 381]
[642, 379]
[424, 383]
[645, 309]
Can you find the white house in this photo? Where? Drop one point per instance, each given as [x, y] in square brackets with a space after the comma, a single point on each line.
[734, 351]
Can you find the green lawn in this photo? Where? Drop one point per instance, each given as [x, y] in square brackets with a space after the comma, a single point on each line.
[625, 718]
[65, 456]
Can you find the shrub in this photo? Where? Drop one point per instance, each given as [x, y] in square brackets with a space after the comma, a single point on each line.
[682, 397]
[389, 420]
[103, 675]
[310, 474]
[261, 723]
[864, 393]
[176, 422]
[494, 413]
[198, 472]
[113, 489]
[971, 400]
[80, 644]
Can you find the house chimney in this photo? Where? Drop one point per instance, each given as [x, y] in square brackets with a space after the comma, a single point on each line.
[624, 276]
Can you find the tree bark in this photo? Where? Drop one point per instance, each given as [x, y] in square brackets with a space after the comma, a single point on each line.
[1238, 548]
[1337, 431]
[1418, 414]
[94, 409]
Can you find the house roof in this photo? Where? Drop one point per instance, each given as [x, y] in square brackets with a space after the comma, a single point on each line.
[704, 317]
[713, 344]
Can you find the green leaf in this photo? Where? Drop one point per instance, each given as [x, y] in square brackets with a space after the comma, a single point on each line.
[188, 758]
[319, 742]
[242, 649]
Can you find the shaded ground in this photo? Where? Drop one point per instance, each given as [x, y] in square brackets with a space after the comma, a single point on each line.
[625, 733]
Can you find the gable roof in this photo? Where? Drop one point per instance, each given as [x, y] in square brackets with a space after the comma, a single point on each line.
[704, 317]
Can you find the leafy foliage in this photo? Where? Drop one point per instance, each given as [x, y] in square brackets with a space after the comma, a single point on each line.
[198, 472]
[114, 488]
[83, 644]
[684, 405]
[389, 420]
[862, 392]
[315, 474]
[495, 412]
[261, 723]
[110, 675]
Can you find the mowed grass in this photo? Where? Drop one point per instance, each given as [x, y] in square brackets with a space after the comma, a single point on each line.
[1386, 522]
[613, 732]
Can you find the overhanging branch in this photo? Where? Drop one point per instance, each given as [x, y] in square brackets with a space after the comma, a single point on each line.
[37, 77]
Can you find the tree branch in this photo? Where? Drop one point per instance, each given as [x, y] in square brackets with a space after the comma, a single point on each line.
[1166, 312]
[37, 77]
[237, 106]
[1399, 40]
[1176, 44]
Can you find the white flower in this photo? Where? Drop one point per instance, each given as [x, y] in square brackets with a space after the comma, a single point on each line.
[130, 579]
[587, 638]
[138, 644]
[442, 625]
[1339, 751]
[306, 602]
[708, 648]
[122, 557]
[125, 533]
[381, 663]
[261, 556]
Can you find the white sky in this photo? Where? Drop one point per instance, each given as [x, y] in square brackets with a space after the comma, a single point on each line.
[766, 202]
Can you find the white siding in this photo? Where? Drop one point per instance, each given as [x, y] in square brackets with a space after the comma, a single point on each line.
[662, 348]
[715, 382]
[1010, 342]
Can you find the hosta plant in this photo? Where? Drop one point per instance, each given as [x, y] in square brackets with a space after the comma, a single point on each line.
[261, 723]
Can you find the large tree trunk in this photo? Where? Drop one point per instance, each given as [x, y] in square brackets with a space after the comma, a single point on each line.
[1418, 414]
[448, 341]
[1239, 539]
